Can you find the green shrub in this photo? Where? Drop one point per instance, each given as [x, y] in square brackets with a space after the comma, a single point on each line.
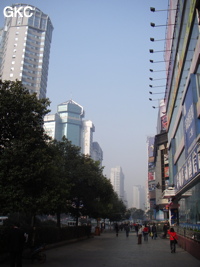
[45, 234]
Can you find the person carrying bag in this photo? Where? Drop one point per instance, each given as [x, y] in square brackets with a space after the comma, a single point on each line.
[173, 239]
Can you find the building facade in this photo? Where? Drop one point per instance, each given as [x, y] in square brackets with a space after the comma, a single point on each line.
[117, 181]
[68, 122]
[71, 115]
[182, 101]
[97, 153]
[136, 197]
[151, 184]
[25, 49]
[87, 137]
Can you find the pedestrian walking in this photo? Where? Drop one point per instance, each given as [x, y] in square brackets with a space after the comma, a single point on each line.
[139, 234]
[173, 239]
[136, 228]
[154, 231]
[145, 232]
[16, 240]
[116, 229]
[127, 229]
[165, 229]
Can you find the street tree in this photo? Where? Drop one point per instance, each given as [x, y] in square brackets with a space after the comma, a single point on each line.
[23, 150]
[63, 160]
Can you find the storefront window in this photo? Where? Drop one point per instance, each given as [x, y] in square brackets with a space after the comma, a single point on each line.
[189, 211]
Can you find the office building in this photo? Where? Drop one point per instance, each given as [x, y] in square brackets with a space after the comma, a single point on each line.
[97, 153]
[117, 181]
[87, 137]
[138, 197]
[68, 122]
[52, 125]
[88, 147]
[177, 150]
[25, 49]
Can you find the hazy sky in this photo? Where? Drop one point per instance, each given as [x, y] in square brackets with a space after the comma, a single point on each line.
[100, 59]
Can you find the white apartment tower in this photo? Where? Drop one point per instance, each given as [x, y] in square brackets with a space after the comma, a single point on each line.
[87, 137]
[117, 181]
[136, 197]
[25, 49]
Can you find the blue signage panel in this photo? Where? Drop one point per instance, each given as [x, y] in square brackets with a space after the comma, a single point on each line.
[189, 170]
[189, 119]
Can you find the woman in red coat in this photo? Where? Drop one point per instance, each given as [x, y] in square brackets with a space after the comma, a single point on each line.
[173, 239]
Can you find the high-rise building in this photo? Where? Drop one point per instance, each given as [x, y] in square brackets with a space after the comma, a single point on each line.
[71, 115]
[136, 197]
[25, 49]
[117, 181]
[97, 153]
[87, 137]
[52, 124]
[68, 122]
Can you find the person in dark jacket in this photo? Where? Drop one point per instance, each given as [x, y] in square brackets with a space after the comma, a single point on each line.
[127, 229]
[16, 245]
[116, 229]
[154, 231]
[165, 229]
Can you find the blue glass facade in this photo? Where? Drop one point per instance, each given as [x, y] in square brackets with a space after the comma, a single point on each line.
[183, 111]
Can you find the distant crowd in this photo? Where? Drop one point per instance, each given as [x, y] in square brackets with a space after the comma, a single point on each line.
[148, 231]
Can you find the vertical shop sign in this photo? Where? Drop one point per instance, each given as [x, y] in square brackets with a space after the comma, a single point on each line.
[189, 120]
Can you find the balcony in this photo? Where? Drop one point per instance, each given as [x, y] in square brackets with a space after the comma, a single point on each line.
[169, 192]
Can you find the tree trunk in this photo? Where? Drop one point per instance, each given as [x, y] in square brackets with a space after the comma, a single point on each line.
[33, 220]
[58, 219]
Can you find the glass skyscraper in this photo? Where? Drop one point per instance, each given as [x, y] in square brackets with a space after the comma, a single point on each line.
[25, 49]
[68, 122]
[71, 115]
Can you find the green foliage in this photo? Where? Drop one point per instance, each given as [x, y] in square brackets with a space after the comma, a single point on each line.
[116, 209]
[23, 149]
[45, 234]
[39, 176]
[136, 214]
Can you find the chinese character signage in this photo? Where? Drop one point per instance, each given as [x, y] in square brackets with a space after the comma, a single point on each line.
[189, 119]
[189, 170]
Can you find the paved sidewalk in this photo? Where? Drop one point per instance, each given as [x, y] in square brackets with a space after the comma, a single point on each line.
[107, 250]
[125, 252]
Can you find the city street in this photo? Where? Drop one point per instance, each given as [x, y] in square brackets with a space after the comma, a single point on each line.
[111, 251]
